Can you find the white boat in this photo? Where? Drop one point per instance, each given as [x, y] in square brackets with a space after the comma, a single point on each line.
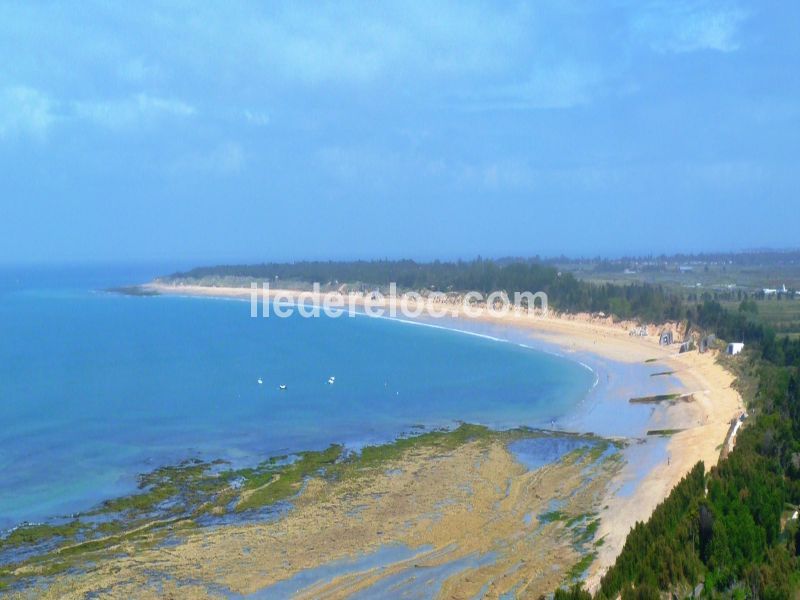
[260, 381]
[282, 386]
[331, 380]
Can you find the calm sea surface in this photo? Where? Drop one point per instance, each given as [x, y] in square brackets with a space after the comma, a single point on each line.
[96, 387]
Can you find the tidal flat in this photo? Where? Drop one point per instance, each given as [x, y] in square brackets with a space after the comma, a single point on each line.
[440, 513]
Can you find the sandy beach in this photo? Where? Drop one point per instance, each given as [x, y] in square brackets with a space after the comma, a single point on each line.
[704, 422]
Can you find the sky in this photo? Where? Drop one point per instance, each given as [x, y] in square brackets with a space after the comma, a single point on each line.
[243, 131]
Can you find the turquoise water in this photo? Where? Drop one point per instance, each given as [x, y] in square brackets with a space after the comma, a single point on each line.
[96, 387]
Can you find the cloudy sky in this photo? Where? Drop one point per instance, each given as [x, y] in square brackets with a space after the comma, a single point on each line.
[254, 131]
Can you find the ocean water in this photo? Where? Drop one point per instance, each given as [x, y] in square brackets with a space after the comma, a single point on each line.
[96, 388]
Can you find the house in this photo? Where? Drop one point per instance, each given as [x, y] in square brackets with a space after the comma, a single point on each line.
[665, 338]
[734, 348]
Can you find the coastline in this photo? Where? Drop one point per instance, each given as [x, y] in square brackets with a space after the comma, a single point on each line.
[441, 514]
[703, 423]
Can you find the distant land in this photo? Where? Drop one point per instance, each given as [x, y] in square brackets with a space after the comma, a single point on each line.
[650, 288]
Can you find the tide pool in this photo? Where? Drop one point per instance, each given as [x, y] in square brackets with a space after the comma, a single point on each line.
[96, 388]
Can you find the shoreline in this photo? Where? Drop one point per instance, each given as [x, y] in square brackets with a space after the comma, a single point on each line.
[703, 424]
[420, 513]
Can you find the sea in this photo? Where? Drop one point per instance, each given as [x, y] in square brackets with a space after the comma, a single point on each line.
[98, 387]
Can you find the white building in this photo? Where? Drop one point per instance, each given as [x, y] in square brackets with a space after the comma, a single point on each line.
[734, 348]
[774, 291]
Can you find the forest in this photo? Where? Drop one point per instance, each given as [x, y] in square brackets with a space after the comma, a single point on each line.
[564, 291]
[729, 531]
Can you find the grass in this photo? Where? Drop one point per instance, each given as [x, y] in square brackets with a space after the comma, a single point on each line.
[32, 534]
[187, 478]
[711, 276]
[781, 315]
[592, 527]
[597, 450]
[744, 371]
[445, 439]
[586, 526]
[552, 516]
[269, 487]
[578, 519]
[580, 567]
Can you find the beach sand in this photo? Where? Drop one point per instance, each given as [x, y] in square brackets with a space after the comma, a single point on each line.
[704, 421]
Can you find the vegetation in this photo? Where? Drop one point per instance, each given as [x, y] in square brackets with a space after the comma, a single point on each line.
[663, 432]
[178, 498]
[729, 529]
[726, 274]
[564, 291]
[132, 290]
[730, 311]
[281, 482]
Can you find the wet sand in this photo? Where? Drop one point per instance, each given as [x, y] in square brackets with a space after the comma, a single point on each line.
[453, 523]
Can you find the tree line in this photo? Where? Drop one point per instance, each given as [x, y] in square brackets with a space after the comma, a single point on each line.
[564, 291]
[729, 529]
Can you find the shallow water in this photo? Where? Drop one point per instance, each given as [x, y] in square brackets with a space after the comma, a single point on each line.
[534, 453]
[377, 560]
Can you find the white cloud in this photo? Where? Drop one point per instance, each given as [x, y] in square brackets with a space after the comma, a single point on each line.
[255, 117]
[140, 109]
[729, 174]
[139, 71]
[359, 44]
[557, 86]
[523, 175]
[678, 27]
[228, 158]
[25, 111]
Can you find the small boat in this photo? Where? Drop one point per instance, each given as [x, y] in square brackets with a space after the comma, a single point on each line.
[282, 386]
[331, 380]
[260, 381]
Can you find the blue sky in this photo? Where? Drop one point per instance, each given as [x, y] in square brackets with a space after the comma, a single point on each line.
[257, 131]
